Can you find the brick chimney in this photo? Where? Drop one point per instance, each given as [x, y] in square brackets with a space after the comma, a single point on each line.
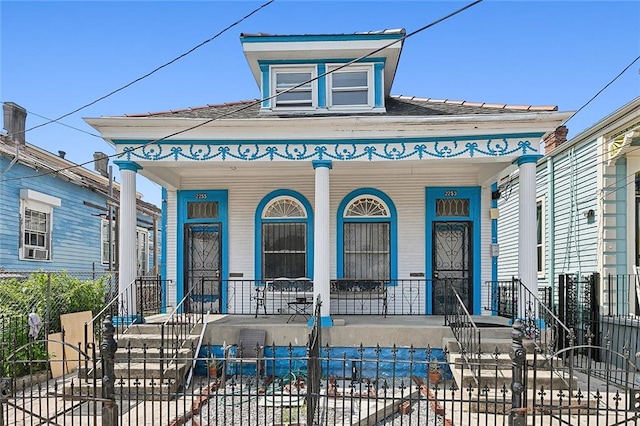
[15, 118]
[556, 138]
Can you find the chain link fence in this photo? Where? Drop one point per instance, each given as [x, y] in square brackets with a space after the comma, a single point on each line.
[31, 303]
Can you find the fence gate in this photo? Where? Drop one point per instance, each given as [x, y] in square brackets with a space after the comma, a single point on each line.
[579, 305]
[37, 390]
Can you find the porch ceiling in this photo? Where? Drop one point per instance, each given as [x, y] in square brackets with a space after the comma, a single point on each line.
[178, 175]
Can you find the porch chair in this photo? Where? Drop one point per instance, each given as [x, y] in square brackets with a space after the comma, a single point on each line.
[248, 350]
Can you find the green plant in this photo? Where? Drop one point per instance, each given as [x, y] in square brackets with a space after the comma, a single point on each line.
[49, 295]
[214, 361]
[434, 366]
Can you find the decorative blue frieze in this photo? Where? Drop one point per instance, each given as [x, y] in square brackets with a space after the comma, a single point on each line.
[368, 151]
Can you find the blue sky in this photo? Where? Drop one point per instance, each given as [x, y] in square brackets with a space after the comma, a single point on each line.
[59, 55]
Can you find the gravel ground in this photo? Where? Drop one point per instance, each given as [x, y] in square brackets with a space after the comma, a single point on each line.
[244, 406]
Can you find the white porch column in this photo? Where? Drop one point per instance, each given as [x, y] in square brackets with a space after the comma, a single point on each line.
[127, 258]
[321, 238]
[527, 237]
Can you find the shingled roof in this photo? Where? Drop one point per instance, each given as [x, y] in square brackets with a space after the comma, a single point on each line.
[395, 106]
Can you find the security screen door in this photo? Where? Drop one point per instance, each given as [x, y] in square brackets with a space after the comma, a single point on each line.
[452, 263]
[202, 259]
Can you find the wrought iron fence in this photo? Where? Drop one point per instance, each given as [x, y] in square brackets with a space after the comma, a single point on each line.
[604, 314]
[356, 385]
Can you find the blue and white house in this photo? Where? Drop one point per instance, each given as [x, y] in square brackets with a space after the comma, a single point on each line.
[328, 176]
[588, 209]
[58, 220]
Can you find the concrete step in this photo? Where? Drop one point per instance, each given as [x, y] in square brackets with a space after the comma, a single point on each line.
[141, 388]
[492, 379]
[504, 361]
[136, 340]
[141, 370]
[156, 328]
[495, 332]
[151, 354]
[489, 345]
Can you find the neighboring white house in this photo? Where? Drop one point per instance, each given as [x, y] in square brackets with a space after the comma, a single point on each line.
[330, 176]
[588, 209]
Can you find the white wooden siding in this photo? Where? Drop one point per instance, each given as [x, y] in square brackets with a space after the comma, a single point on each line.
[172, 245]
[406, 188]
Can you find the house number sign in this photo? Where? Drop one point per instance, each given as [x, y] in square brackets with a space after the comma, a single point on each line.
[201, 196]
[451, 193]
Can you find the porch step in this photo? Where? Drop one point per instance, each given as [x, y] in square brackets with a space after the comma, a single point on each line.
[490, 361]
[141, 370]
[493, 401]
[142, 388]
[151, 354]
[492, 379]
[135, 340]
[489, 345]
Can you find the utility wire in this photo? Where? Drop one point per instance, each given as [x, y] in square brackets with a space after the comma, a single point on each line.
[113, 92]
[601, 90]
[258, 101]
[62, 124]
[603, 154]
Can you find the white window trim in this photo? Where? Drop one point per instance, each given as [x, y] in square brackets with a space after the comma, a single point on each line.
[386, 216]
[288, 198]
[42, 203]
[145, 233]
[370, 87]
[276, 69]
[543, 242]
[104, 223]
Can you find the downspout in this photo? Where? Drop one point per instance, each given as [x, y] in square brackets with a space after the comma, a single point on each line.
[551, 223]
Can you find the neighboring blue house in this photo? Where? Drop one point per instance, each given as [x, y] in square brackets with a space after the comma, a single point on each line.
[59, 221]
[330, 177]
[588, 209]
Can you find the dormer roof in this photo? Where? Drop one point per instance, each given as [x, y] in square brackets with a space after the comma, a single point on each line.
[265, 49]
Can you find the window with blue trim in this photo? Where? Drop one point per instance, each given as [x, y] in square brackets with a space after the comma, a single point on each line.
[367, 239]
[284, 239]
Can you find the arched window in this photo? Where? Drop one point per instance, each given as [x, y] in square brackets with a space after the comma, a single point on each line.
[284, 236]
[367, 225]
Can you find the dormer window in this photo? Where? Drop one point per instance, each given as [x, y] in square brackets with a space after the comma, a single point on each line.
[304, 96]
[351, 87]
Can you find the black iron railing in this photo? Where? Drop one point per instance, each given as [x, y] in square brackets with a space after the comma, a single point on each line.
[282, 296]
[463, 327]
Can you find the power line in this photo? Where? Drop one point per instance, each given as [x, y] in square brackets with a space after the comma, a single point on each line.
[258, 101]
[601, 90]
[57, 122]
[603, 154]
[154, 70]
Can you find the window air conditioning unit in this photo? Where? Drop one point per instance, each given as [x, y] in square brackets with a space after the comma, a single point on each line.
[38, 254]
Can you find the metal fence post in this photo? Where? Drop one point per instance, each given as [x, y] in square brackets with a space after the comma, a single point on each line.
[108, 349]
[518, 356]
[47, 313]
